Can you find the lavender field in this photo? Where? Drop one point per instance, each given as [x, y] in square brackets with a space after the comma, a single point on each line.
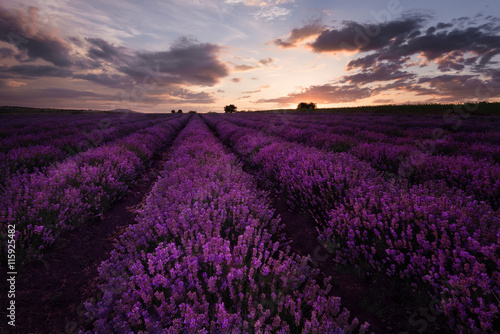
[404, 205]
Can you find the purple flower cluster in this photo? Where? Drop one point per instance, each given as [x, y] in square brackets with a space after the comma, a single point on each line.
[478, 138]
[430, 235]
[38, 145]
[477, 178]
[43, 205]
[207, 255]
[435, 234]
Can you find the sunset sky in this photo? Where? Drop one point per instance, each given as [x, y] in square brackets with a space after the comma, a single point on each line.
[154, 56]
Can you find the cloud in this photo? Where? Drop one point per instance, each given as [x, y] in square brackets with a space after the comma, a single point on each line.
[187, 62]
[394, 40]
[6, 53]
[236, 80]
[297, 35]
[101, 49]
[260, 3]
[252, 91]
[20, 29]
[15, 84]
[363, 62]
[50, 94]
[183, 95]
[113, 80]
[450, 88]
[271, 13]
[383, 101]
[365, 37]
[329, 93]
[442, 25]
[436, 45]
[243, 67]
[38, 71]
[266, 61]
[380, 72]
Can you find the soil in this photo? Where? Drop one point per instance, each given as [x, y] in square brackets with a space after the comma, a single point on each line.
[388, 305]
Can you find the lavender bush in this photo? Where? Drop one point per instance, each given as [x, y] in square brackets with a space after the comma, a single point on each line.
[43, 205]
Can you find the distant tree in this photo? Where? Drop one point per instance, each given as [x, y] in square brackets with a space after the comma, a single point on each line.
[173, 111]
[305, 105]
[192, 112]
[230, 108]
[179, 111]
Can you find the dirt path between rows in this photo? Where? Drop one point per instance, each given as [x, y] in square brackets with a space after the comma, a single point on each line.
[50, 293]
[389, 306]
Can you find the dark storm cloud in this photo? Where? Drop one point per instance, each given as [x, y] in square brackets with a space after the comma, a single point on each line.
[20, 29]
[39, 71]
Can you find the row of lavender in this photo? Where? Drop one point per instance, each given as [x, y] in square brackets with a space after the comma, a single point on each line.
[476, 176]
[30, 130]
[376, 127]
[17, 124]
[43, 205]
[432, 235]
[207, 256]
[477, 137]
[37, 151]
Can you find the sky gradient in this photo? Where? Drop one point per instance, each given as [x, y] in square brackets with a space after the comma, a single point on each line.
[154, 56]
